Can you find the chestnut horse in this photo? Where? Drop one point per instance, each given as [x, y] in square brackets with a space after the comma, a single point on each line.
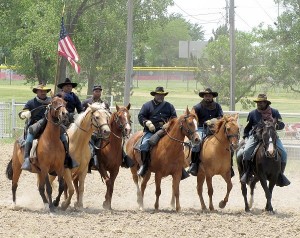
[50, 154]
[167, 157]
[94, 118]
[266, 165]
[215, 157]
[111, 154]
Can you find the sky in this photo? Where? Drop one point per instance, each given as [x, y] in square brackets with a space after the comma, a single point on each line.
[211, 13]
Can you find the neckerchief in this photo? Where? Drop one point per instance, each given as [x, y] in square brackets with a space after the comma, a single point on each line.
[266, 114]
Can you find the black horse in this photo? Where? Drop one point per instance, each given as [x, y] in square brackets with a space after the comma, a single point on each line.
[265, 166]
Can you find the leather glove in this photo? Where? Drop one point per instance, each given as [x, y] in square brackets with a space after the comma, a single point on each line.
[150, 126]
[25, 114]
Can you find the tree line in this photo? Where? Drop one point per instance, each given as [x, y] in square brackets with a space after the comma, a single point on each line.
[266, 57]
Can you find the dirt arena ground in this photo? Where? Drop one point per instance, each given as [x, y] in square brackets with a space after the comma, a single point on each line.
[125, 220]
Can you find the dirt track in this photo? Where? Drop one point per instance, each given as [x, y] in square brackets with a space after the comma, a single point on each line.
[30, 220]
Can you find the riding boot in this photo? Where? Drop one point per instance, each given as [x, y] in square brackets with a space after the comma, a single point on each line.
[184, 174]
[69, 162]
[282, 180]
[245, 177]
[145, 157]
[127, 162]
[26, 164]
[193, 170]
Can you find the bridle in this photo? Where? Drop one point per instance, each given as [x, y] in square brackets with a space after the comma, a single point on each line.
[55, 119]
[120, 124]
[187, 130]
[266, 144]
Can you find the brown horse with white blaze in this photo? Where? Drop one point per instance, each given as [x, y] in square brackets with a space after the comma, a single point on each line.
[50, 154]
[215, 157]
[110, 156]
[167, 157]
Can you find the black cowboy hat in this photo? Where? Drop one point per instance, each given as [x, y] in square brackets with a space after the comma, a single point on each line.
[97, 87]
[41, 87]
[262, 98]
[159, 90]
[67, 82]
[208, 91]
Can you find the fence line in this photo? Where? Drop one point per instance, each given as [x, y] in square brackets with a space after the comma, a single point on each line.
[11, 126]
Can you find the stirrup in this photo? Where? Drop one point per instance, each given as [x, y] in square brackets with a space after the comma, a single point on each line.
[184, 174]
[26, 165]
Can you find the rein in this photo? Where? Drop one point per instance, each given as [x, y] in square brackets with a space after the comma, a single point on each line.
[49, 107]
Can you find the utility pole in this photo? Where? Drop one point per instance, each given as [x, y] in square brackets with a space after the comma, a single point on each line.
[232, 56]
[129, 65]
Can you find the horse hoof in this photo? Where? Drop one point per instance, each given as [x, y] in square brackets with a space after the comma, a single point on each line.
[55, 203]
[106, 205]
[222, 204]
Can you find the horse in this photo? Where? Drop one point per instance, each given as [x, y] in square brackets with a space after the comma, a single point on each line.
[50, 154]
[167, 157]
[94, 118]
[110, 153]
[215, 157]
[266, 164]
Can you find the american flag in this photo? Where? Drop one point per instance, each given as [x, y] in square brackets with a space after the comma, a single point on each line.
[66, 48]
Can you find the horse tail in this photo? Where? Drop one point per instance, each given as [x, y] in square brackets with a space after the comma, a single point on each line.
[9, 170]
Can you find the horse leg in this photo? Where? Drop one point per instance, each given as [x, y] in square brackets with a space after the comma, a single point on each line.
[263, 182]
[110, 189]
[135, 179]
[68, 196]
[49, 193]
[61, 188]
[143, 187]
[200, 181]
[42, 182]
[15, 179]
[252, 187]
[227, 179]
[210, 191]
[79, 203]
[157, 190]
[269, 206]
[175, 189]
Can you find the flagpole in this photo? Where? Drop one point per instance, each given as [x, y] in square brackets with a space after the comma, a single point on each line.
[57, 76]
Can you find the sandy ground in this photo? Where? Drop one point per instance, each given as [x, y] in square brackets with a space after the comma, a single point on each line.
[125, 220]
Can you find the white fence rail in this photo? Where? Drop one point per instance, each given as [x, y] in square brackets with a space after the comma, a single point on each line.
[11, 126]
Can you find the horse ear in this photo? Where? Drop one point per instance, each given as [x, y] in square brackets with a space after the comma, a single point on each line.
[236, 117]
[117, 107]
[187, 111]
[128, 106]
[51, 94]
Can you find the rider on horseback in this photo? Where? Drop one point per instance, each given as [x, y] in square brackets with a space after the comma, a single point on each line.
[34, 113]
[265, 112]
[206, 110]
[152, 116]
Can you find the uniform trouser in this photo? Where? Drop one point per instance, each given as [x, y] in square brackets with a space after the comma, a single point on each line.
[200, 131]
[145, 146]
[251, 144]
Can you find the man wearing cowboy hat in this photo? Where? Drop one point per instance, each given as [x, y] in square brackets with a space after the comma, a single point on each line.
[206, 110]
[71, 98]
[34, 113]
[262, 112]
[152, 116]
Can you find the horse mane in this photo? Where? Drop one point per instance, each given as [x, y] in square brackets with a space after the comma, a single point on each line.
[221, 121]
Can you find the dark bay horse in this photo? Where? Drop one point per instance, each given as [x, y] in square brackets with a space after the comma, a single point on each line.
[266, 165]
[167, 157]
[111, 155]
[215, 157]
[94, 118]
[50, 153]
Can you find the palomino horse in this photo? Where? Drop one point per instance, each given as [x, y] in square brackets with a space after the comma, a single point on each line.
[111, 154]
[266, 165]
[167, 157]
[215, 157]
[94, 118]
[50, 153]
